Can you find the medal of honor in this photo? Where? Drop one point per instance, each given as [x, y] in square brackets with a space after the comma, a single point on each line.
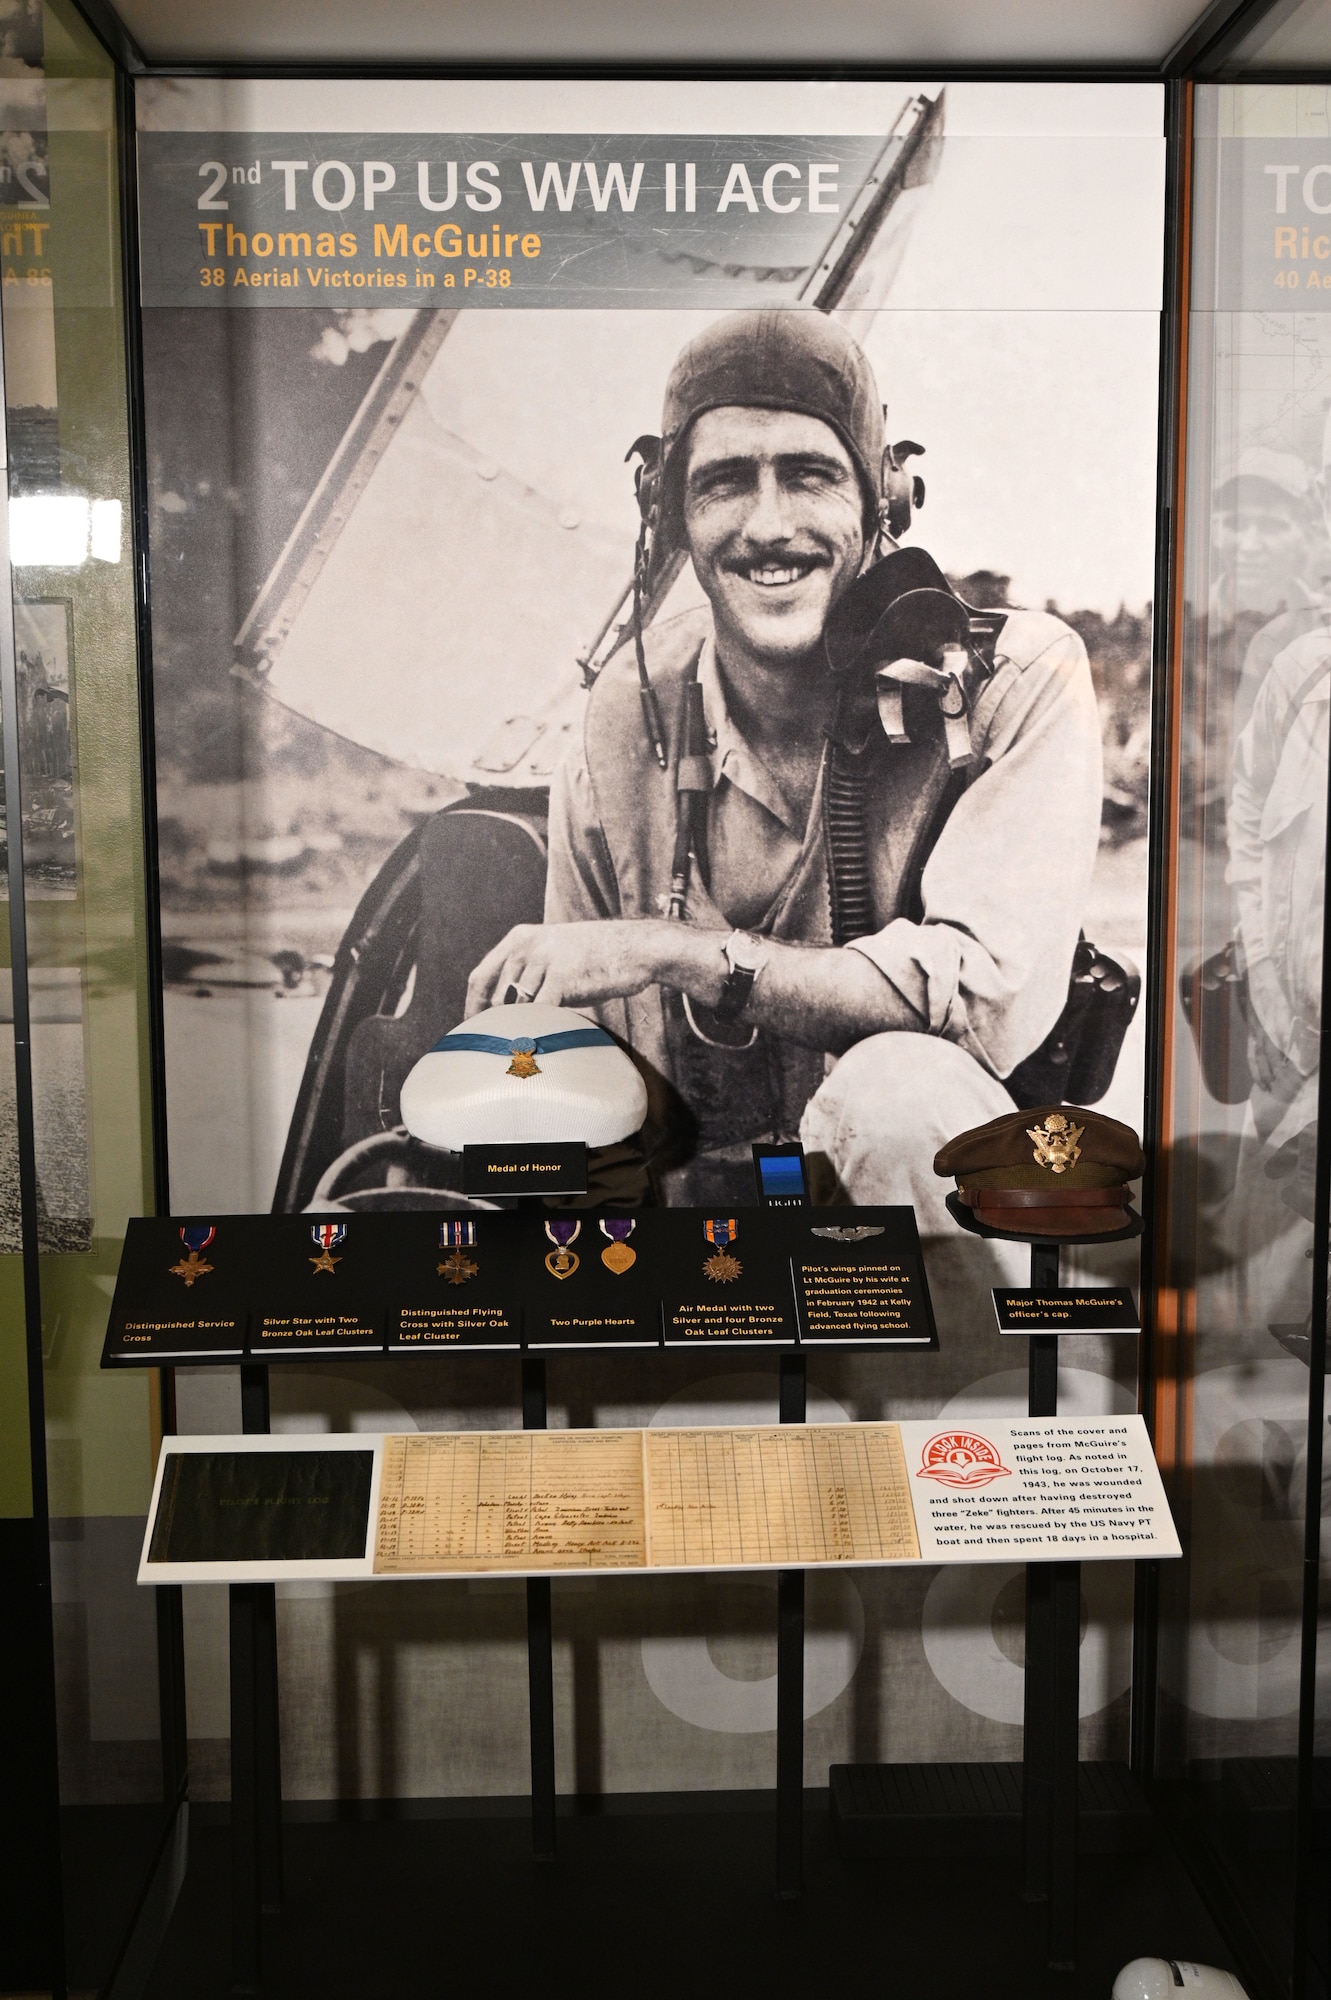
[617, 1256]
[720, 1231]
[327, 1236]
[196, 1236]
[561, 1262]
[457, 1237]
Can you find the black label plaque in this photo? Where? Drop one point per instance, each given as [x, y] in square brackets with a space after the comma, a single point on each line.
[316, 1285]
[262, 1506]
[613, 1296]
[454, 1281]
[314, 1333]
[505, 1170]
[1087, 1310]
[176, 1304]
[859, 1278]
[706, 1304]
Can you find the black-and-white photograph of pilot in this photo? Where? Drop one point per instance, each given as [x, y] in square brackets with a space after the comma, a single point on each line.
[819, 889]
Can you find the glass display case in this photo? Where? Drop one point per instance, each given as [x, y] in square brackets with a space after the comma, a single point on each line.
[1242, 1737]
[75, 1104]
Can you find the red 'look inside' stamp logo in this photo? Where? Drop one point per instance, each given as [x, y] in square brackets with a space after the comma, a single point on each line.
[961, 1458]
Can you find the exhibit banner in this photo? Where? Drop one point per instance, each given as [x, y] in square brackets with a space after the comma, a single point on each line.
[525, 458]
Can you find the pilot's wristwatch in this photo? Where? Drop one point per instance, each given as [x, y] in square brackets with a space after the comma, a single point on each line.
[746, 956]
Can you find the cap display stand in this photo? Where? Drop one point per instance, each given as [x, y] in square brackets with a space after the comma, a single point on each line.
[1053, 1643]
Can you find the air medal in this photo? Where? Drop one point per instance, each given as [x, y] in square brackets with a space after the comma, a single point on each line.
[196, 1236]
[720, 1231]
[561, 1262]
[617, 1256]
[457, 1237]
[327, 1236]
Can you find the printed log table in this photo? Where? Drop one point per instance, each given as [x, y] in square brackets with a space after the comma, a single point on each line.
[780, 1494]
[516, 1500]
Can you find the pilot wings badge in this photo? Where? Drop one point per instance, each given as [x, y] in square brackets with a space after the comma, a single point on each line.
[850, 1233]
[1056, 1144]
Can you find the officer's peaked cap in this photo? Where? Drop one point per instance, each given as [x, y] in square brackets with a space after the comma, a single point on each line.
[780, 360]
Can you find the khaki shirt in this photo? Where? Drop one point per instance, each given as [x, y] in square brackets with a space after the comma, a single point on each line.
[975, 928]
[1277, 830]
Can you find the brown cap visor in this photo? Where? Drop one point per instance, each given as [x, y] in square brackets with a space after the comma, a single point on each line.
[1044, 1212]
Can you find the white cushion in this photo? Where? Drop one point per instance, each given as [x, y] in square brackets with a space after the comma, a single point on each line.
[466, 1097]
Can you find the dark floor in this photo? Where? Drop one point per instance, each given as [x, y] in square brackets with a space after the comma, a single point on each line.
[678, 1903]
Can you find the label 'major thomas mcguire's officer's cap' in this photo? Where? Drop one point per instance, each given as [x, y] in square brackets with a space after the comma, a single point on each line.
[1054, 1171]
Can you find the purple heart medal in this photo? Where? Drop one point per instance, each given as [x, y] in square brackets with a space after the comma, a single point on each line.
[617, 1256]
[196, 1236]
[561, 1262]
[458, 1238]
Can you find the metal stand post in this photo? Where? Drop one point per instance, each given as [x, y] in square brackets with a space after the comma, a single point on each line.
[1053, 1642]
[256, 1754]
[246, 1903]
[540, 1652]
[790, 1678]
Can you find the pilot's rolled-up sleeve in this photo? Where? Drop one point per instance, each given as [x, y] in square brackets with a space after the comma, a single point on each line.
[1004, 891]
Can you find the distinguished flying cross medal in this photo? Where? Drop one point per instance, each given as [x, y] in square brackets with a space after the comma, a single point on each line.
[617, 1256]
[196, 1236]
[722, 1269]
[1056, 1142]
[327, 1236]
[561, 1262]
[455, 1237]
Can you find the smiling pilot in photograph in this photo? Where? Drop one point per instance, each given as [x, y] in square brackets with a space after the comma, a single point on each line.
[802, 922]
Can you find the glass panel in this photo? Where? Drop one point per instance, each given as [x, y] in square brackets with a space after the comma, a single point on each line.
[74, 628]
[1242, 1116]
[1295, 34]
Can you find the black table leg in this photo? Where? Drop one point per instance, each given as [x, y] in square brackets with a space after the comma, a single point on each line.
[246, 1955]
[255, 1420]
[1066, 1621]
[1053, 1661]
[1037, 1741]
[790, 1679]
[540, 1652]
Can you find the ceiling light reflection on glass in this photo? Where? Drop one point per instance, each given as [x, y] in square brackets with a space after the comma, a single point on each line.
[62, 530]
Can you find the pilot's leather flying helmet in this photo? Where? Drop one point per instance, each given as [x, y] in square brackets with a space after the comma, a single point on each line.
[1056, 1171]
[783, 359]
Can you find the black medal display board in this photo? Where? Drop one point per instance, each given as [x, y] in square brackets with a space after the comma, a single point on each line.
[287, 1288]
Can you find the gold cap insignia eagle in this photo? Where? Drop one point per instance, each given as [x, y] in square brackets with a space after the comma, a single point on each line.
[1056, 1144]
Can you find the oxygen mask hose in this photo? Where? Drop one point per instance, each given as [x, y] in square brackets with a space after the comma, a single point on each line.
[693, 781]
[651, 708]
